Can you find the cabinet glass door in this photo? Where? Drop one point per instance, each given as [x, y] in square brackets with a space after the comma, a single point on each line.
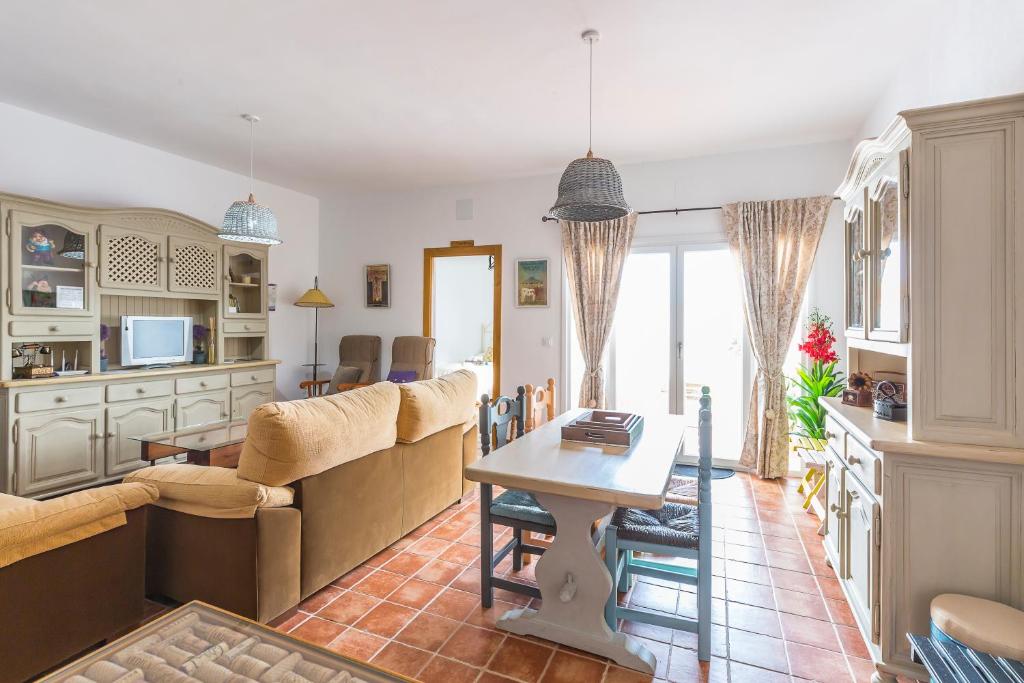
[246, 283]
[888, 272]
[51, 265]
[856, 272]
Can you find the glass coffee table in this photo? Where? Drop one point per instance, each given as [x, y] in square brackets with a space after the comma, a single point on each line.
[216, 444]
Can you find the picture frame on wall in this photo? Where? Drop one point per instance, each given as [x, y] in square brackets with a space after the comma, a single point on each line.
[532, 283]
[378, 286]
[271, 297]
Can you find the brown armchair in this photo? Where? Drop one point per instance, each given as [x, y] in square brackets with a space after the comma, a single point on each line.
[413, 353]
[358, 366]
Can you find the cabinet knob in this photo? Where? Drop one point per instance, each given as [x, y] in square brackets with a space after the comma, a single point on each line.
[252, 378]
[853, 459]
[60, 399]
[833, 507]
[223, 414]
[111, 435]
[245, 327]
[54, 328]
[141, 390]
[202, 384]
[829, 436]
[854, 495]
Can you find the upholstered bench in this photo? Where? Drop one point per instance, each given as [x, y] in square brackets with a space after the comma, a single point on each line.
[982, 625]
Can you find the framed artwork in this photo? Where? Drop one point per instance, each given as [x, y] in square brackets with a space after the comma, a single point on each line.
[271, 297]
[378, 286]
[532, 282]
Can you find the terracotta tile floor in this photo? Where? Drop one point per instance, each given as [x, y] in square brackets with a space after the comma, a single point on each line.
[778, 613]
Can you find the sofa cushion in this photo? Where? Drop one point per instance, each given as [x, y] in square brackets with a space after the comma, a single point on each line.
[210, 491]
[11, 502]
[294, 439]
[34, 527]
[432, 405]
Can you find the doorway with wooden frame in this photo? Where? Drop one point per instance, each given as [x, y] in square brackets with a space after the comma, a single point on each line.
[462, 310]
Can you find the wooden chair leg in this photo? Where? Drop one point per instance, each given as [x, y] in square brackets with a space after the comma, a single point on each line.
[517, 550]
[527, 557]
[486, 547]
[611, 557]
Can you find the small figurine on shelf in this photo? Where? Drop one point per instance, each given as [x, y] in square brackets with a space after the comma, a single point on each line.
[104, 336]
[232, 303]
[199, 333]
[40, 248]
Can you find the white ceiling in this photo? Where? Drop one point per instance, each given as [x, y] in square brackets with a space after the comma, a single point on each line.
[396, 94]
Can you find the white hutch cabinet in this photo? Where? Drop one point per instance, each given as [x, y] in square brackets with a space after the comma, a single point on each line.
[68, 270]
[935, 237]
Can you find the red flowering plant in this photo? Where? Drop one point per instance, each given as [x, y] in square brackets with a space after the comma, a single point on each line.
[820, 379]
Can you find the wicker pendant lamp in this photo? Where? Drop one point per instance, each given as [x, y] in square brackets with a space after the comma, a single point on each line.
[248, 221]
[590, 188]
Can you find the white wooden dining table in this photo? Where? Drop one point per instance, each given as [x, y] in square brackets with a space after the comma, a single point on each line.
[579, 483]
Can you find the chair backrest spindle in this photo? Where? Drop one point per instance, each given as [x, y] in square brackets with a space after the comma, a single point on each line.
[500, 428]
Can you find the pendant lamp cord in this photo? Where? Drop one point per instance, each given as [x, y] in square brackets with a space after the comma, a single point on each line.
[590, 131]
[252, 152]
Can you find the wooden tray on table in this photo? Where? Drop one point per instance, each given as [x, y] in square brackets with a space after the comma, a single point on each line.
[605, 427]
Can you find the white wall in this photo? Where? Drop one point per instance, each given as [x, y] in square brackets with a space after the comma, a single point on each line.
[968, 49]
[394, 227]
[52, 159]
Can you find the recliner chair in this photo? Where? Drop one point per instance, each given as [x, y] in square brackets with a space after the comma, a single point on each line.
[358, 366]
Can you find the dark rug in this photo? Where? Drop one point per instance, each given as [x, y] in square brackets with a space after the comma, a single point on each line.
[691, 471]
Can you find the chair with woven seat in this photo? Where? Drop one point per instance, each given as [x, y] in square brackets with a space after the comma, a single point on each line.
[519, 510]
[676, 530]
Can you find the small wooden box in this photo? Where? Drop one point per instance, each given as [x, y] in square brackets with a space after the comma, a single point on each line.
[33, 372]
[861, 398]
[605, 427]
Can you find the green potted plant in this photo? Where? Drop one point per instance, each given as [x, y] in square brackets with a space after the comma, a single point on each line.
[819, 379]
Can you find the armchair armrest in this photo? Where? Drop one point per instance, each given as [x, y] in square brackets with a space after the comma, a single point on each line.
[314, 388]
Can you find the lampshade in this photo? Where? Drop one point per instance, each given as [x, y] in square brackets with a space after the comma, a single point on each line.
[74, 246]
[249, 222]
[590, 190]
[314, 298]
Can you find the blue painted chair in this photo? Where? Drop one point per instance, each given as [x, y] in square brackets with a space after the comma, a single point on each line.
[516, 509]
[676, 530]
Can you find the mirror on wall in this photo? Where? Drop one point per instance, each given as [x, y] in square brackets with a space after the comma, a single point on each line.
[462, 311]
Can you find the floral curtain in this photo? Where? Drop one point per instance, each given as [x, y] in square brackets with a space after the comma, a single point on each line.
[774, 243]
[594, 254]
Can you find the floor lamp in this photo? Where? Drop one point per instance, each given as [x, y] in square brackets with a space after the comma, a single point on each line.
[315, 299]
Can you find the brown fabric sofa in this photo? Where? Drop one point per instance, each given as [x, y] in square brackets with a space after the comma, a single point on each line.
[361, 469]
[72, 574]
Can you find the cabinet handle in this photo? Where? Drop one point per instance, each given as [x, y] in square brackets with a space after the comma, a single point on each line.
[252, 377]
[833, 507]
[860, 254]
[53, 328]
[111, 435]
[202, 384]
[853, 459]
[246, 327]
[59, 399]
[141, 390]
[96, 437]
[829, 436]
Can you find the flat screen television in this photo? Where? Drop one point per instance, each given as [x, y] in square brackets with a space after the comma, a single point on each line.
[155, 340]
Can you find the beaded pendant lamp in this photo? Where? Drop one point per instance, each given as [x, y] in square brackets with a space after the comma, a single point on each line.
[315, 299]
[590, 188]
[247, 221]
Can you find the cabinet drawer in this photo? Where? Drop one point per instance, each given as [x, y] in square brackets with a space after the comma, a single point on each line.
[135, 390]
[31, 402]
[836, 436]
[242, 327]
[189, 385]
[32, 328]
[245, 378]
[864, 464]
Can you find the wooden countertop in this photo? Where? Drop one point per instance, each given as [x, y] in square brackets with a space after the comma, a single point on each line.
[894, 437]
[133, 374]
[541, 462]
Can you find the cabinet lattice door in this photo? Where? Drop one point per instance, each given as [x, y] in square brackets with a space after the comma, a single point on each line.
[194, 266]
[131, 259]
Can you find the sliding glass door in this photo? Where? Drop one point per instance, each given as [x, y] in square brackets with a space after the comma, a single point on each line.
[678, 327]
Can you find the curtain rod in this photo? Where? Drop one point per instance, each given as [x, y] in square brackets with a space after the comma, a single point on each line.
[675, 211]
